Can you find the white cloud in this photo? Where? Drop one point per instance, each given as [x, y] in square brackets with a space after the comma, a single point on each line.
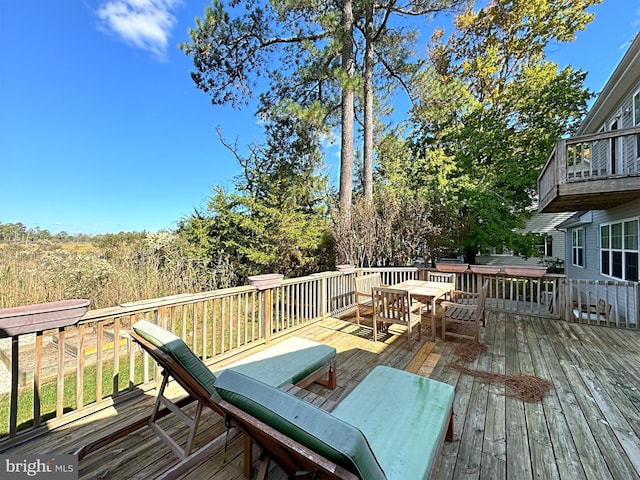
[145, 24]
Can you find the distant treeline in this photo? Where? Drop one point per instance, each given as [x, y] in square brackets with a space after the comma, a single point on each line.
[18, 232]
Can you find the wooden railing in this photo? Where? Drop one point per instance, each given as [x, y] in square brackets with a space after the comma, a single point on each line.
[611, 154]
[600, 302]
[63, 374]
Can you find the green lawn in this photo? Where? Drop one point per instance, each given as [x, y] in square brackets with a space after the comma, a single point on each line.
[49, 393]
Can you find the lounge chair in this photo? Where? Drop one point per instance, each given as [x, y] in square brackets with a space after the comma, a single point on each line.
[391, 426]
[295, 361]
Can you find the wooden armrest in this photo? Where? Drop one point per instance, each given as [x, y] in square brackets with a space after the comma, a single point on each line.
[464, 306]
[416, 306]
[465, 293]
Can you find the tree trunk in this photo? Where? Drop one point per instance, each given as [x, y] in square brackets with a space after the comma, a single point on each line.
[367, 165]
[348, 94]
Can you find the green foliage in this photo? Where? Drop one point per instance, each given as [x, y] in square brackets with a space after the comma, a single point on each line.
[276, 220]
[497, 106]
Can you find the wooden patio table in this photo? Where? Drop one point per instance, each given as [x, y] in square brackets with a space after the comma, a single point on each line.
[425, 292]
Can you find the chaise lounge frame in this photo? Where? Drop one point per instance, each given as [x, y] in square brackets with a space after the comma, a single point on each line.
[163, 406]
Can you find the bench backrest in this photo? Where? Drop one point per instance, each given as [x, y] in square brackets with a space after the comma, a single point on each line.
[364, 284]
[173, 354]
[482, 298]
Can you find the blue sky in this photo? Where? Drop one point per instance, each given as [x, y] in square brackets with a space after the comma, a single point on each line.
[102, 129]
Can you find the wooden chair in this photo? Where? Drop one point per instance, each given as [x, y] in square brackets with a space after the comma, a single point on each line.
[444, 278]
[465, 313]
[441, 277]
[394, 306]
[363, 286]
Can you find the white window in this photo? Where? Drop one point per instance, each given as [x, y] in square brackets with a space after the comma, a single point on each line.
[619, 250]
[577, 247]
[546, 247]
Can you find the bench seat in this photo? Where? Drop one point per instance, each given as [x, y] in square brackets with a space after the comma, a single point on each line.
[290, 361]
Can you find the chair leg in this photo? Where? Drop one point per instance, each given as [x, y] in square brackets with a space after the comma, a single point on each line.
[375, 329]
[247, 456]
[449, 436]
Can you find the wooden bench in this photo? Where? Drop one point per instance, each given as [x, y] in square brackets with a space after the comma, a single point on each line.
[363, 291]
[465, 313]
[391, 426]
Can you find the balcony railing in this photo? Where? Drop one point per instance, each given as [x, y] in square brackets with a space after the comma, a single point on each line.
[577, 162]
[60, 375]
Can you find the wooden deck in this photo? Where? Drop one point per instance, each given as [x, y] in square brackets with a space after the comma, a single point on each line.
[588, 426]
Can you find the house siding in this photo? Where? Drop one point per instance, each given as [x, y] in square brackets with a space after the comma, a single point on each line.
[591, 270]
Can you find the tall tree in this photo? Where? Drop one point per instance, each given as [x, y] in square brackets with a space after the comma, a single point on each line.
[391, 48]
[305, 48]
[276, 220]
[310, 51]
[510, 105]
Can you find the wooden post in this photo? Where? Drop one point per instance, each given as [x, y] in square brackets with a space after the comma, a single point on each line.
[267, 313]
[13, 420]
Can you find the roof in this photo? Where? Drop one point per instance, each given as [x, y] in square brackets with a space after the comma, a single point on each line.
[622, 81]
[545, 222]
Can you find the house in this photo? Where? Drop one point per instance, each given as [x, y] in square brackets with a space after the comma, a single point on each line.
[552, 250]
[597, 175]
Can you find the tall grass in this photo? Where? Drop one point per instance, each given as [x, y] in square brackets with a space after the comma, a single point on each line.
[154, 266]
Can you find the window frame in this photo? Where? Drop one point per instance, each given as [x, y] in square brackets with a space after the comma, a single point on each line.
[618, 253]
[577, 248]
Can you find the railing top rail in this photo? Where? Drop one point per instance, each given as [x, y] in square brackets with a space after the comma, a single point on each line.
[592, 137]
[390, 269]
[152, 304]
[310, 278]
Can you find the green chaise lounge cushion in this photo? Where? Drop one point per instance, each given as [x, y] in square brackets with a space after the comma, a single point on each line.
[318, 430]
[286, 362]
[403, 416]
[289, 361]
[176, 347]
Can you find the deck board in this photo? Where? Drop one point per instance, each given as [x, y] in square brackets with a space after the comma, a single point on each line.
[588, 426]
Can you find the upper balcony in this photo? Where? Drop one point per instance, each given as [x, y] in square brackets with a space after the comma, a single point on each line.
[591, 172]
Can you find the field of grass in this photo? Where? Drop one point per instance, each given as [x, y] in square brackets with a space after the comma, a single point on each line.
[46, 271]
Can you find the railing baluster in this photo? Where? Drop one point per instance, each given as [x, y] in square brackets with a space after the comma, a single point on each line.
[60, 384]
[37, 381]
[80, 368]
[99, 362]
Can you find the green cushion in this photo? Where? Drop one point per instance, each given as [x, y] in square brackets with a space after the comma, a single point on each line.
[175, 346]
[286, 362]
[403, 416]
[307, 424]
